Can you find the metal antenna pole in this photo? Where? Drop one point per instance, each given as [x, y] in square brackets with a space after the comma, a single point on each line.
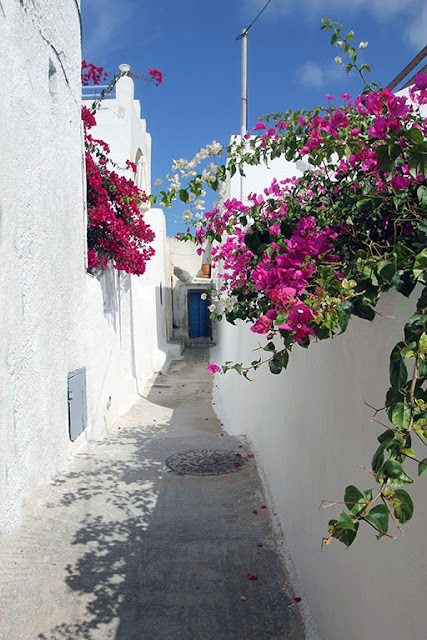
[244, 99]
[244, 92]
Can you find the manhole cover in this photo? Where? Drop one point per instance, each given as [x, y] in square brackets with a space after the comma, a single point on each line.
[205, 462]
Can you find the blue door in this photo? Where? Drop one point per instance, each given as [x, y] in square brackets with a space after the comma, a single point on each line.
[198, 310]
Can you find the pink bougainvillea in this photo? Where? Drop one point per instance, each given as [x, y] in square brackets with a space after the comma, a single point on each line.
[117, 231]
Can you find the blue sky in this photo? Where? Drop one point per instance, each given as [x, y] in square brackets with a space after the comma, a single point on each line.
[290, 61]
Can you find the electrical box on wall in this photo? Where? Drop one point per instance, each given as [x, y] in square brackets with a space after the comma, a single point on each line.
[77, 410]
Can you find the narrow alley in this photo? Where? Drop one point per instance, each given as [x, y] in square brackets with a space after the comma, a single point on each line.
[129, 544]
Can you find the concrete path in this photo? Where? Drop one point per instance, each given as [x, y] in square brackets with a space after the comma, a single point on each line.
[121, 547]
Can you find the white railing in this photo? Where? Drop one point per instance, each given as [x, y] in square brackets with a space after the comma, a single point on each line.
[92, 92]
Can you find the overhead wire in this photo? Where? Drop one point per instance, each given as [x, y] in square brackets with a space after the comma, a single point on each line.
[244, 32]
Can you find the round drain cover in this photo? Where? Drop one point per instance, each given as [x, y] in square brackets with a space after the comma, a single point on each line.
[205, 462]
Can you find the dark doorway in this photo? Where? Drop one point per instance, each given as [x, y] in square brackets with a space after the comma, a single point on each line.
[198, 314]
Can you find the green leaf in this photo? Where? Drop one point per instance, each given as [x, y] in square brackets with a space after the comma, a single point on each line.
[422, 466]
[347, 536]
[420, 264]
[344, 313]
[274, 367]
[378, 516]
[363, 310]
[183, 195]
[408, 350]
[423, 341]
[386, 271]
[345, 522]
[400, 481]
[269, 347]
[383, 159]
[398, 370]
[401, 414]
[393, 151]
[416, 135]
[238, 368]
[422, 195]
[415, 326]
[402, 281]
[355, 500]
[402, 505]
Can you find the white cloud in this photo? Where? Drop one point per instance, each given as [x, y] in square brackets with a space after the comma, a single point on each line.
[412, 12]
[417, 32]
[311, 75]
[104, 22]
[276, 7]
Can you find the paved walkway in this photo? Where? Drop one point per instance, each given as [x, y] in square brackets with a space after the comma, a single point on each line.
[121, 547]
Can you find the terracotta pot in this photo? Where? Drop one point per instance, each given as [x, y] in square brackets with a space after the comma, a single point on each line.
[206, 270]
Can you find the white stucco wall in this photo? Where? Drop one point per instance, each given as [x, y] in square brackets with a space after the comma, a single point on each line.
[55, 318]
[42, 239]
[310, 426]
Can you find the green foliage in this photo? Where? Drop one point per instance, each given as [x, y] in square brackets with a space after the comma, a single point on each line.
[372, 204]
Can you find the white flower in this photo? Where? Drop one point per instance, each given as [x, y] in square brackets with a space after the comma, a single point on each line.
[363, 45]
[338, 60]
[212, 308]
[204, 296]
[158, 181]
[230, 302]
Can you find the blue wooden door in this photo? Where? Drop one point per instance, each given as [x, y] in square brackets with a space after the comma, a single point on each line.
[198, 310]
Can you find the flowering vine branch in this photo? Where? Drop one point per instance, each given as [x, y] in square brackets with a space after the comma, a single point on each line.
[117, 231]
[297, 261]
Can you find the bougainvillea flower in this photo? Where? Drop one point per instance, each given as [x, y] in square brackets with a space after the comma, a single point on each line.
[213, 368]
[251, 576]
[262, 325]
[258, 126]
[420, 81]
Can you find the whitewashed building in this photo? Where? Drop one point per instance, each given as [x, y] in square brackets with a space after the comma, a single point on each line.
[76, 350]
[310, 426]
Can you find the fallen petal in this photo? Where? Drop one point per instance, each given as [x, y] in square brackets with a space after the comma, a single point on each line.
[255, 511]
[263, 506]
[252, 577]
[260, 544]
[297, 599]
